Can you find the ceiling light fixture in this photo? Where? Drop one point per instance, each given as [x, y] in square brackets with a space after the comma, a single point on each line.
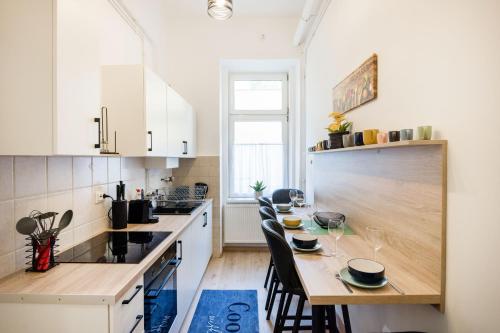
[220, 9]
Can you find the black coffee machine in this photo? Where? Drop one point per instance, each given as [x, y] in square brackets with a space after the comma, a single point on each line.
[141, 211]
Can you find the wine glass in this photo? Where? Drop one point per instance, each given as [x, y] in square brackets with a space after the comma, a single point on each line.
[293, 196]
[300, 200]
[311, 210]
[375, 237]
[336, 229]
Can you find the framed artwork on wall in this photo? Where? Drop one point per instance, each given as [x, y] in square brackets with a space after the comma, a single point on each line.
[358, 88]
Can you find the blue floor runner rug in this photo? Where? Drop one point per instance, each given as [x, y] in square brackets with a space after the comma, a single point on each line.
[229, 311]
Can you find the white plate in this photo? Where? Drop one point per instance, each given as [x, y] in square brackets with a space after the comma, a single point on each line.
[290, 227]
[285, 211]
[295, 247]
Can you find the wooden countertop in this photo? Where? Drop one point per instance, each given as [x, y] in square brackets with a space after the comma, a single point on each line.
[317, 274]
[91, 283]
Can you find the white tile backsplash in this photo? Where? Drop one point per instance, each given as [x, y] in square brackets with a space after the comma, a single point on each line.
[99, 170]
[82, 171]
[59, 173]
[30, 176]
[6, 178]
[57, 184]
[7, 227]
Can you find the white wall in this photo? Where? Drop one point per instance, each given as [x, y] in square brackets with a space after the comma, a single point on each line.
[195, 48]
[438, 65]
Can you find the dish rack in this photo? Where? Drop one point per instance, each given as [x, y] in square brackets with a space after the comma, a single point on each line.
[42, 257]
[182, 193]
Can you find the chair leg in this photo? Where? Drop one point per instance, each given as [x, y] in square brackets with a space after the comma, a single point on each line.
[279, 313]
[268, 272]
[332, 319]
[270, 290]
[347, 320]
[273, 297]
[298, 314]
[285, 311]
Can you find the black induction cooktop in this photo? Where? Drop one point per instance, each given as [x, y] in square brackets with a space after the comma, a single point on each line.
[114, 247]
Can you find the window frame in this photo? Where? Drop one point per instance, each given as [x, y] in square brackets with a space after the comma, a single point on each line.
[257, 115]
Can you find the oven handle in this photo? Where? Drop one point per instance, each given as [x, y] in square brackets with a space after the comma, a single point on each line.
[169, 276]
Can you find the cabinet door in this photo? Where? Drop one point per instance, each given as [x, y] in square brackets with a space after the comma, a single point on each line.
[155, 95]
[77, 98]
[190, 131]
[176, 118]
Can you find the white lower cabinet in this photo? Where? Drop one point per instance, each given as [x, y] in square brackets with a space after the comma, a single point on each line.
[127, 315]
[196, 242]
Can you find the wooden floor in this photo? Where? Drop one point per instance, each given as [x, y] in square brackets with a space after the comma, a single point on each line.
[239, 270]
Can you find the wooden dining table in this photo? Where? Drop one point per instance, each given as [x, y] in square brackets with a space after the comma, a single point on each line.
[317, 272]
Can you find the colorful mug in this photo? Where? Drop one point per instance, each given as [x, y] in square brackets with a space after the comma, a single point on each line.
[382, 138]
[348, 140]
[370, 136]
[393, 136]
[406, 134]
[424, 132]
[358, 139]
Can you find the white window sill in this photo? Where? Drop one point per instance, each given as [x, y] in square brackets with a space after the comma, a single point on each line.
[238, 201]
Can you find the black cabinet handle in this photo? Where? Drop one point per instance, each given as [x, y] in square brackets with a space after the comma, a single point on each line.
[137, 321]
[151, 140]
[137, 289]
[205, 217]
[180, 244]
[98, 121]
[185, 147]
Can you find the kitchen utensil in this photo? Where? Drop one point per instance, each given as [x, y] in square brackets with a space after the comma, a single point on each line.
[297, 248]
[396, 288]
[293, 196]
[424, 132]
[347, 277]
[393, 136]
[283, 207]
[64, 221]
[26, 226]
[293, 227]
[348, 140]
[370, 136]
[292, 221]
[365, 270]
[305, 241]
[338, 277]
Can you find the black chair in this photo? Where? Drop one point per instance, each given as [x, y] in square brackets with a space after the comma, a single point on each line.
[267, 213]
[282, 196]
[265, 202]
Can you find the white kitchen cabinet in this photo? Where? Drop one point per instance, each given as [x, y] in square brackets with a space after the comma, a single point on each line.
[77, 318]
[52, 52]
[181, 126]
[136, 105]
[195, 257]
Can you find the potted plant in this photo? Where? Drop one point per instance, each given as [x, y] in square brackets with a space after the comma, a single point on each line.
[337, 128]
[258, 188]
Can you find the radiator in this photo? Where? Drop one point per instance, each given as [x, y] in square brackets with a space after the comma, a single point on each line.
[242, 224]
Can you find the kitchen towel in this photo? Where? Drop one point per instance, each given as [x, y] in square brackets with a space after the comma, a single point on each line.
[226, 311]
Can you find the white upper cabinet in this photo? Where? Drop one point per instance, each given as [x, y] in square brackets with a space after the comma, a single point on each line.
[52, 53]
[181, 126]
[136, 105]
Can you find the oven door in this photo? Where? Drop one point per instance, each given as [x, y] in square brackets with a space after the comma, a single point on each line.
[160, 300]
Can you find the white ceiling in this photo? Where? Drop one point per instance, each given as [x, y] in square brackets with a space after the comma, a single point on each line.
[283, 8]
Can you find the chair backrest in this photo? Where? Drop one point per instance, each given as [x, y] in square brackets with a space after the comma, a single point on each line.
[267, 213]
[282, 255]
[263, 201]
[282, 196]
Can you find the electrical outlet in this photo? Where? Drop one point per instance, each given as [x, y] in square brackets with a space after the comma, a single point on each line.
[99, 197]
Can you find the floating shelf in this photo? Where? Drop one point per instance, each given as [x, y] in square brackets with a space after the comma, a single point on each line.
[396, 144]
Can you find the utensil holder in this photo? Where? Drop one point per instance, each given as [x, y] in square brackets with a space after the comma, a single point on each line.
[43, 255]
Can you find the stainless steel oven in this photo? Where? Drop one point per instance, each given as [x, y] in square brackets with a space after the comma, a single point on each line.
[160, 293]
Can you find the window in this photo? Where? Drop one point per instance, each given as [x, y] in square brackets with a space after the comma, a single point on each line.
[258, 133]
